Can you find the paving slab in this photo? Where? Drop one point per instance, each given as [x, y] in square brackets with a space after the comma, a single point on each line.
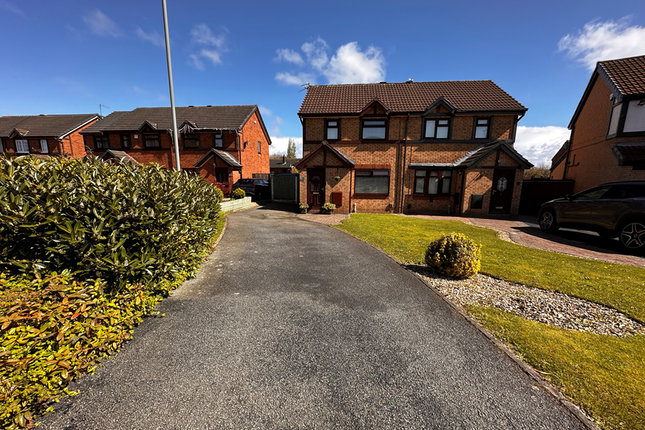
[296, 325]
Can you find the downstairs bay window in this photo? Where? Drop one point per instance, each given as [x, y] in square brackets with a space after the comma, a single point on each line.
[373, 182]
[432, 182]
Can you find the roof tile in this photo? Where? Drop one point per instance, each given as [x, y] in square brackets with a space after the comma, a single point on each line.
[408, 97]
[628, 74]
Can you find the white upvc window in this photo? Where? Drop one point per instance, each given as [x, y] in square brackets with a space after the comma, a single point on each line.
[1, 147]
[22, 146]
[635, 119]
[44, 147]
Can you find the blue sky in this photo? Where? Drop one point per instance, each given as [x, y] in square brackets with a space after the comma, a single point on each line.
[71, 56]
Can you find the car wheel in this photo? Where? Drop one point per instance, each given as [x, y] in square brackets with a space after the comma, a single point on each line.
[632, 235]
[546, 220]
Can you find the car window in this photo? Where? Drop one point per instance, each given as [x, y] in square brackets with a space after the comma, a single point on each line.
[592, 194]
[625, 191]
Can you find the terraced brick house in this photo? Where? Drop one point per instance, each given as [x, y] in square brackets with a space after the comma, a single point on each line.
[44, 135]
[220, 143]
[412, 147]
[607, 140]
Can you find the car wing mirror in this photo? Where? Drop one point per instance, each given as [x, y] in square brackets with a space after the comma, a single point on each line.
[568, 197]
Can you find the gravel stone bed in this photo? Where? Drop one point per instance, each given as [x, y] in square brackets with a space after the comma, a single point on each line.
[543, 306]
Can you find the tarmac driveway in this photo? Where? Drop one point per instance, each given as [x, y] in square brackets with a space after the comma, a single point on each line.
[293, 324]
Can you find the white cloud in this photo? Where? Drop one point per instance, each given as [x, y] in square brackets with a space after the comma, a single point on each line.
[100, 24]
[289, 56]
[316, 53]
[351, 66]
[212, 55]
[212, 46]
[539, 144]
[348, 65]
[299, 79]
[11, 7]
[152, 37]
[196, 62]
[265, 111]
[599, 41]
[279, 145]
[139, 90]
[202, 35]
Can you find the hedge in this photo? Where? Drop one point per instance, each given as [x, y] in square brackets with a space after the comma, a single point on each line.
[123, 223]
[86, 250]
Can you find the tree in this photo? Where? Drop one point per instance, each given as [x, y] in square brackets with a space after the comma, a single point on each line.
[538, 172]
[291, 149]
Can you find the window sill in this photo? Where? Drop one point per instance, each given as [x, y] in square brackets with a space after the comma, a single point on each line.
[430, 197]
[371, 196]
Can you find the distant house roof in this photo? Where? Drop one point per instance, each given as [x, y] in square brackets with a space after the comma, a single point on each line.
[476, 156]
[58, 126]
[630, 153]
[402, 97]
[191, 118]
[559, 156]
[282, 163]
[624, 77]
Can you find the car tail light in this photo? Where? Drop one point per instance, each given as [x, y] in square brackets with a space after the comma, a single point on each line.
[252, 185]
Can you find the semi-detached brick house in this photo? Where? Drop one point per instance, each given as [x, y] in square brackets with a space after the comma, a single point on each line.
[45, 135]
[607, 140]
[221, 143]
[412, 147]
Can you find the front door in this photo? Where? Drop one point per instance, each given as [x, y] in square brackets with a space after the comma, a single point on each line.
[221, 174]
[315, 188]
[502, 191]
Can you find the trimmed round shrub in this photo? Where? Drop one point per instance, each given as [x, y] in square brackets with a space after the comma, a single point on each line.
[454, 255]
[239, 194]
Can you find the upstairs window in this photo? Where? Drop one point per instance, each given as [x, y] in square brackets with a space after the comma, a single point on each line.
[191, 140]
[219, 141]
[437, 128]
[151, 141]
[22, 146]
[331, 132]
[635, 118]
[44, 147]
[373, 129]
[482, 126]
[259, 147]
[372, 182]
[125, 141]
[101, 142]
[432, 182]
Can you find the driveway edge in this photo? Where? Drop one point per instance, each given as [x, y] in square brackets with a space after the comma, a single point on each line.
[543, 383]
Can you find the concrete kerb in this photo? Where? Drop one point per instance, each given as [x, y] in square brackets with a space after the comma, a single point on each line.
[543, 383]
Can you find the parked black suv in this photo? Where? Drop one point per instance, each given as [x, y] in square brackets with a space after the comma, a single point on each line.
[615, 209]
[258, 188]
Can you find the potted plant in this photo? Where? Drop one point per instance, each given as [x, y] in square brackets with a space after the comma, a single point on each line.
[328, 208]
[304, 207]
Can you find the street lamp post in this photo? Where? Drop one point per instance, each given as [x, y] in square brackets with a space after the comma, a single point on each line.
[172, 91]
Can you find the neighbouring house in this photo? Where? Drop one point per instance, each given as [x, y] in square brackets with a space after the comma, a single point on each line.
[283, 165]
[220, 143]
[412, 147]
[558, 162]
[607, 140]
[45, 135]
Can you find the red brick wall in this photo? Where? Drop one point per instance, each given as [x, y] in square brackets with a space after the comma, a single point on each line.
[591, 161]
[252, 161]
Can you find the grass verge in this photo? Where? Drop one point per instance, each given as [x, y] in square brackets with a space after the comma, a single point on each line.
[603, 375]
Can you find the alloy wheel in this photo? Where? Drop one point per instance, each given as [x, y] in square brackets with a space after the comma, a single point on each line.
[546, 220]
[632, 235]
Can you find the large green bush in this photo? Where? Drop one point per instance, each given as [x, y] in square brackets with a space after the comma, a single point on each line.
[53, 330]
[454, 255]
[123, 223]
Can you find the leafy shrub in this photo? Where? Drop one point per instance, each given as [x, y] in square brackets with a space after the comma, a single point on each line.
[219, 193]
[120, 222]
[454, 255]
[328, 207]
[304, 207]
[53, 330]
[239, 194]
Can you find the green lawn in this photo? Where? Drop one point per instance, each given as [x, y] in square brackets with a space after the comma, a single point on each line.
[602, 374]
